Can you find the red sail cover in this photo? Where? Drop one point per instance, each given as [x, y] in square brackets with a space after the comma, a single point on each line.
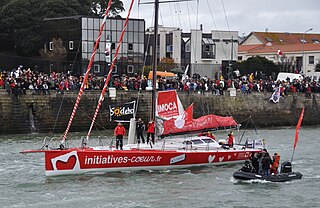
[205, 122]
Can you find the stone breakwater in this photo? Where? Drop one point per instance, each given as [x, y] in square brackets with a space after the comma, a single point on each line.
[51, 113]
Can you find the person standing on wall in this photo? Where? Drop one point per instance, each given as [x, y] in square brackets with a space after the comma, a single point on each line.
[140, 128]
[119, 132]
[150, 131]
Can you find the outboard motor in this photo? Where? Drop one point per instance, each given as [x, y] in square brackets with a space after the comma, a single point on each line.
[286, 167]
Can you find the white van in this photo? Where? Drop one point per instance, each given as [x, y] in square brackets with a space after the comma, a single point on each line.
[315, 76]
[283, 76]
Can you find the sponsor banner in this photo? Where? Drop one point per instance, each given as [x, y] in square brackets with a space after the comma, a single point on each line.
[123, 112]
[79, 160]
[168, 104]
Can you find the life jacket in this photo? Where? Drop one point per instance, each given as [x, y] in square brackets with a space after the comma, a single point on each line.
[276, 162]
[119, 130]
[150, 127]
[230, 140]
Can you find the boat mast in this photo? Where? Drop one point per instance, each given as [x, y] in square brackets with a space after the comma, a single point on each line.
[154, 62]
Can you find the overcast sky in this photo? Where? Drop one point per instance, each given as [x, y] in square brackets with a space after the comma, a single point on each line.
[243, 16]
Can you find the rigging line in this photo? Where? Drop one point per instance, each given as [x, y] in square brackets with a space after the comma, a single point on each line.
[162, 22]
[144, 63]
[54, 126]
[110, 71]
[78, 50]
[215, 25]
[225, 15]
[178, 13]
[84, 82]
[190, 25]
[196, 38]
[90, 118]
[172, 18]
[168, 1]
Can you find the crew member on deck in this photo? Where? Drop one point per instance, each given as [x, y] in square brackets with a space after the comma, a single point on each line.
[119, 132]
[150, 131]
[211, 135]
[230, 139]
[140, 128]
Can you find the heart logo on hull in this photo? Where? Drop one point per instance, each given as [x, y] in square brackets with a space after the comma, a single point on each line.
[211, 158]
[229, 156]
[68, 165]
[68, 161]
[221, 159]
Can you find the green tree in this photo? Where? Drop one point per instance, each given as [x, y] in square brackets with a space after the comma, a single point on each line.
[257, 64]
[166, 64]
[99, 8]
[21, 21]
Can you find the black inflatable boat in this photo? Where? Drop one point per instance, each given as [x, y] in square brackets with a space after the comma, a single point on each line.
[285, 175]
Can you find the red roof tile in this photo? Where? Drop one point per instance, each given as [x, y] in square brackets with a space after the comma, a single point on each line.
[260, 49]
[285, 38]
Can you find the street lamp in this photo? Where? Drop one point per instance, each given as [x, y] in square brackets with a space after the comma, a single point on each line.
[304, 65]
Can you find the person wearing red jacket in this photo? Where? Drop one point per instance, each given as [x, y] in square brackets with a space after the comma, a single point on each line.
[230, 139]
[119, 132]
[150, 131]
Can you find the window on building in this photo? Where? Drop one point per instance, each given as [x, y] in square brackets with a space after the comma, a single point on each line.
[71, 45]
[169, 48]
[130, 69]
[316, 41]
[303, 41]
[208, 48]
[130, 46]
[96, 68]
[115, 69]
[311, 59]
[239, 58]
[269, 39]
[187, 44]
[51, 46]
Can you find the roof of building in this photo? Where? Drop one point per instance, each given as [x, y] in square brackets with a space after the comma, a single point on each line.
[280, 38]
[260, 48]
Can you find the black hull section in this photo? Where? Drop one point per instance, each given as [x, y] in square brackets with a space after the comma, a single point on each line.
[283, 177]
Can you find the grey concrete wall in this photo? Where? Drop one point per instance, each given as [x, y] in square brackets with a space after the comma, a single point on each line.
[51, 113]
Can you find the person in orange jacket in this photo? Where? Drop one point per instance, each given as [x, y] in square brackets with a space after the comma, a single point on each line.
[150, 131]
[275, 164]
[119, 132]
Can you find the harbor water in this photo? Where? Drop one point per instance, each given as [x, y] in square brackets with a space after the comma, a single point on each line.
[24, 184]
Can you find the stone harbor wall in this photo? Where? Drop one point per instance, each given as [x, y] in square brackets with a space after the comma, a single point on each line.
[51, 113]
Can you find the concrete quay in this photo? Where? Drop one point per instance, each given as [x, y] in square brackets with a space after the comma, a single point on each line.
[51, 113]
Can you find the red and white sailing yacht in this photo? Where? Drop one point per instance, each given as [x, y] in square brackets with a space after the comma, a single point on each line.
[180, 152]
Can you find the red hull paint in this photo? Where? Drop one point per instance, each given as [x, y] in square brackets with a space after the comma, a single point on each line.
[75, 161]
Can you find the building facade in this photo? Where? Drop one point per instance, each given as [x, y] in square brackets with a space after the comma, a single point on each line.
[206, 54]
[294, 52]
[77, 36]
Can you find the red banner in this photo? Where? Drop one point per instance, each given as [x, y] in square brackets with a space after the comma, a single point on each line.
[167, 105]
[298, 129]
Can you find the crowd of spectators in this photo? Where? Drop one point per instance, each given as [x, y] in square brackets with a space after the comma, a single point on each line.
[20, 80]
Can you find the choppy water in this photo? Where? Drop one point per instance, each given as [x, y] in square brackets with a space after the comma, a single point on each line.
[23, 183]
